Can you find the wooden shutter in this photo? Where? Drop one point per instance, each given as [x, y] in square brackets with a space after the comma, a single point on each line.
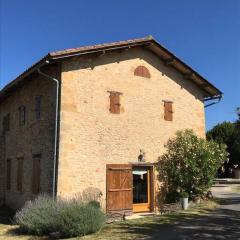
[36, 173]
[6, 123]
[142, 71]
[115, 102]
[119, 187]
[8, 174]
[38, 107]
[168, 112]
[19, 174]
[22, 115]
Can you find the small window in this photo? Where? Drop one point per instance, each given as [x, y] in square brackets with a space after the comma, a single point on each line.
[9, 168]
[6, 123]
[168, 112]
[36, 175]
[142, 71]
[19, 174]
[38, 107]
[22, 115]
[115, 102]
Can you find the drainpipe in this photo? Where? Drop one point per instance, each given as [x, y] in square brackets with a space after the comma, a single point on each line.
[56, 128]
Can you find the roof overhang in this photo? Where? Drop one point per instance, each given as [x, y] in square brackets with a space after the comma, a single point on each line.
[149, 43]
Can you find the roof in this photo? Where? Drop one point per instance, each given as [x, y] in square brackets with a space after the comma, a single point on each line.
[148, 42]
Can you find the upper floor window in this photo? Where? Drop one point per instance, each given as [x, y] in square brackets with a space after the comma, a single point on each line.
[38, 107]
[142, 71]
[22, 115]
[6, 123]
[168, 111]
[115, 102]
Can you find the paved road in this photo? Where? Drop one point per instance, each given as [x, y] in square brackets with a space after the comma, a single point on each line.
[222, 223]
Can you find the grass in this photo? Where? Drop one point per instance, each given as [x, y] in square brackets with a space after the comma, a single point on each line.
[236, 189]
[129, 229]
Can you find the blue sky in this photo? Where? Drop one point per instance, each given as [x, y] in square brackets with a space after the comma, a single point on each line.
[203, 33]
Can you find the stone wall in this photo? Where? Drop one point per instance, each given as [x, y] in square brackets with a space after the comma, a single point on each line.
[35, 137]
[91, 136]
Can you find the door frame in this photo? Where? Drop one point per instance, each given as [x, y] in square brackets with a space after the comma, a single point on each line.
[149, 206]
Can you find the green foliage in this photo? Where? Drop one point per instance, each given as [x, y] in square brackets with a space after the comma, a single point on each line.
[184, 195]
[67, 218]
[190, 163]
[222, 133]
[172, 197]
[229, 134]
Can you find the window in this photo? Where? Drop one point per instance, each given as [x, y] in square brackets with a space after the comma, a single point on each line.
[115, 102]
[38, 107]
[6, 123]
[22, 115]
[168, 112]
[19, 174]
[36, 174]
[142, 71]
[8, 174]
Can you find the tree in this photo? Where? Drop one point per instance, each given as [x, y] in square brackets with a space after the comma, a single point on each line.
[190, 163]
[229, 134]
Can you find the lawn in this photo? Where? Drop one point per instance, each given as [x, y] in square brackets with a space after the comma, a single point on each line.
[129, 229]
[236, 189]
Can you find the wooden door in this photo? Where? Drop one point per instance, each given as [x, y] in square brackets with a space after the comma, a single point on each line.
[119, 187]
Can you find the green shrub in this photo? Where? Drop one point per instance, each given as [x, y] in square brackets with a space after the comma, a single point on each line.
[172, 197]
[183, 195]
[94, 203]
[67, 218]
[190, 163]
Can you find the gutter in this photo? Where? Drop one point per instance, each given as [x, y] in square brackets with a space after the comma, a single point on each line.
[217, 98]
[56, 128]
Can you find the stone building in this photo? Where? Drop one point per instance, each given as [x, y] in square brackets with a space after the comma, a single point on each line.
[97, 117]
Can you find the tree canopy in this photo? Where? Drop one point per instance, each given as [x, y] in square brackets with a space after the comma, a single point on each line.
[229, 134]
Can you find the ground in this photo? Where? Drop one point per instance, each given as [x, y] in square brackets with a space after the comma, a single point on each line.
[206, 221]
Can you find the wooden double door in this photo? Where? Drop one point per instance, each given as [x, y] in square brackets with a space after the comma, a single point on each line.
[129, 188]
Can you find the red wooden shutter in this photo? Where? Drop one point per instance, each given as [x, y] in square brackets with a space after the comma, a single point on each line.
[142, 71]
[19, 174]
[36, 176]
[115, 102]
[119, 187]
[168, 112]
[8, 174]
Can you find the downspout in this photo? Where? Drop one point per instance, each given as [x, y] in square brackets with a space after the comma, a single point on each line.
[56, 128]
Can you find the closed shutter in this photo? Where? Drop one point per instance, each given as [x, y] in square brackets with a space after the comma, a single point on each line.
[142, 71]
[8, 174]
[168, 111]
[119, 187]
[115, 102]
[36, 176]
[19, 174]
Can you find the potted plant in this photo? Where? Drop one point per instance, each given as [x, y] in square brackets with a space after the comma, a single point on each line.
[184, 200]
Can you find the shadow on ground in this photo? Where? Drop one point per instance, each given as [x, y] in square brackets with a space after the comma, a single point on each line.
[6, 215]
[217, 224]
